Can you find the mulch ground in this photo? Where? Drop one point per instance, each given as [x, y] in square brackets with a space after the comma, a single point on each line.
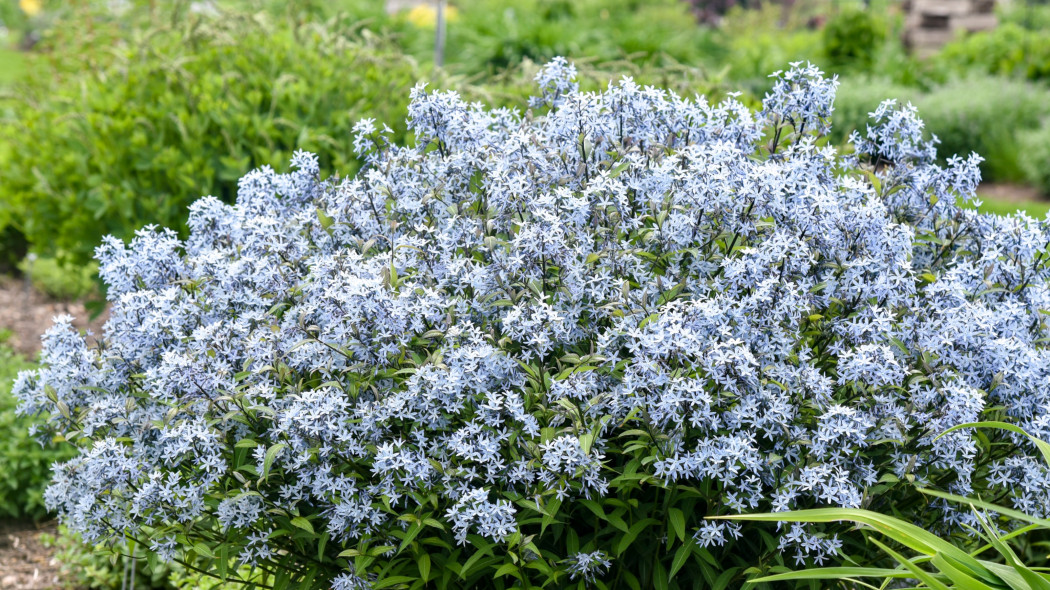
[27, 314]
[24, 561]
[1015, 193]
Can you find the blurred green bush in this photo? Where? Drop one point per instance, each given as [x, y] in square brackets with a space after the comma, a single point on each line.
[180, 109]
[1007, 50]
[65, 282]
[82, 567]
[967, 115]
[853, 38]
[25, 466]
[1034, 150]
[486, 36]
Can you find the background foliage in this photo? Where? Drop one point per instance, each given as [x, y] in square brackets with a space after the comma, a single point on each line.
[25, 465]
[120, 143]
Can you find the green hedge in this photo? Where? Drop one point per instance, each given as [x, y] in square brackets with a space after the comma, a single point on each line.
[986, 115]
[127, 138]
[25, 466]
[1008, 50]
[1034, 150]
[111, 148]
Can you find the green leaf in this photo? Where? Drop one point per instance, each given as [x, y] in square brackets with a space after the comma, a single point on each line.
[302, 523]
[410, 535]
[1042, 445]
[321, 545]
[677, 519]
[423, 562]
[224, 561]
[659, 576]
[680, 557]
[507, 569]
[392, 581]
[271, 455]
[961, 579]
[725, 578]
[834, 573]
[326, 221]
[916, 571]
[633, 533]
[619, 169]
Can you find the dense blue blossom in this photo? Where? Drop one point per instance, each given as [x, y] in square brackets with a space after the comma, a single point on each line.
[481, 319]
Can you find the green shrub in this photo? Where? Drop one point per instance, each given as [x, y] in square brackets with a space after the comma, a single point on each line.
[121, 145]
[488, 35]
[853, 38]
[758, 46]
[1034, 150]
[967, 115]
[985, 115]
[60, 279]
[1027, 15]
[1008, 50]
[104, 568]
[25, 466]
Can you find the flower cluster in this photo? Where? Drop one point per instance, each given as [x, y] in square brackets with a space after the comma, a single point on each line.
[522, 312]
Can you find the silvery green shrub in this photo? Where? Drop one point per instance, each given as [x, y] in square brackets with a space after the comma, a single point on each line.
[539, 348]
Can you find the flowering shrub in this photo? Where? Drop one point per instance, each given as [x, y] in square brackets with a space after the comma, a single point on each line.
[540, 348]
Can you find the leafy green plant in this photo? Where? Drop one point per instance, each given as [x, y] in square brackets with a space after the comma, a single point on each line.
[1007, 50]
[853, 38]
[965, 114]
[25, 466]
[757, 46]
[487, 36]
[58, 279]
[120, 145]
[105, 567]
[937, 563]
[1034, 153]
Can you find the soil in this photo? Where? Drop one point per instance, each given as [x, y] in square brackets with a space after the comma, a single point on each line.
[25, 563]
[1014, 193]
[27, 314]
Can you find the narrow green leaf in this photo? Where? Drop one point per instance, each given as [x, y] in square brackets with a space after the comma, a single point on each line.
[916, 571]
[961, 579]
[680, 557]
[834, 573]
[423, 561]
[392, 581]
[1042, 445]
[633, 533]
[677, 519]
[302, 523]
[410, 535]
[271, 455]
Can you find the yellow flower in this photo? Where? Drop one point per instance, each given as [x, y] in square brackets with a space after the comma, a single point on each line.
[424, 16]
[31, 7]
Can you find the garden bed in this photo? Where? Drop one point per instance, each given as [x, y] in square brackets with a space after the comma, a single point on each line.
[25, 562]
[27, 314]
